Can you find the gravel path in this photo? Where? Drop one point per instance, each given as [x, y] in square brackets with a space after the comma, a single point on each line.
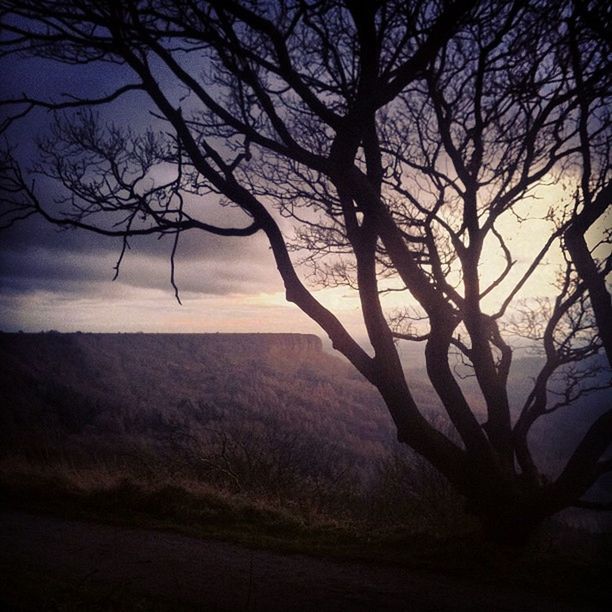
[190, 573]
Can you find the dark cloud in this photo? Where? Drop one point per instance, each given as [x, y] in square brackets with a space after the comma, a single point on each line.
[46, 269]
[52, 279]
[36, 257]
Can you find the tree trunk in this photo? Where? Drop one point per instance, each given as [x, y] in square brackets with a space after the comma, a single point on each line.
[511, 513]
[510, 526]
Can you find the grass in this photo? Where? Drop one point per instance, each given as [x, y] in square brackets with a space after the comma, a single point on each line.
[563, 560]
[570, 562]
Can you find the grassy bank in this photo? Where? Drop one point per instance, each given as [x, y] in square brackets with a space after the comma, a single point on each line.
[568, 560]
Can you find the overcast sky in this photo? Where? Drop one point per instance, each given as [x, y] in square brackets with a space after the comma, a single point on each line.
[62, 280]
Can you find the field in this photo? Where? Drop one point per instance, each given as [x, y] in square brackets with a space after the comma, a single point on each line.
[261, 439]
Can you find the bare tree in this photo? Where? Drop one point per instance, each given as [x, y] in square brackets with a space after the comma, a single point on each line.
[399, 137]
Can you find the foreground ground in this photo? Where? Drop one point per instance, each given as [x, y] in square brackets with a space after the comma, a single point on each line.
[60, 564]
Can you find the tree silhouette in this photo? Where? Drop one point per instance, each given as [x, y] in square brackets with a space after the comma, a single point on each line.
[398, 137]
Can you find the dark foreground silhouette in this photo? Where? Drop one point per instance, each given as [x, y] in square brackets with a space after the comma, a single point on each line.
[52, 563]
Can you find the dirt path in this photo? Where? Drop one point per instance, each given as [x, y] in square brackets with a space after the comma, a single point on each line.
[179, 572]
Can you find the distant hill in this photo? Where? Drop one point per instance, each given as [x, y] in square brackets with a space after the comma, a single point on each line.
[130, 384]
[268, 416]
[265, 419]
[161, 384]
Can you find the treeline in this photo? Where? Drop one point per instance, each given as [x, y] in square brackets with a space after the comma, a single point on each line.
[269, 417]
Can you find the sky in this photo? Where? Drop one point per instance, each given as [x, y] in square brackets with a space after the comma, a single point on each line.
[63, 280]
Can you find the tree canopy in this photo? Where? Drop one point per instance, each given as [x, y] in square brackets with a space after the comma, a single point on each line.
[402, 140]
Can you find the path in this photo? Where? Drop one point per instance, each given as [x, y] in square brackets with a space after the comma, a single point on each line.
[183, 572]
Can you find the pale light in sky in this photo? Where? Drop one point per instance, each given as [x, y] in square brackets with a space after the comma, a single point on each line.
[226, 284]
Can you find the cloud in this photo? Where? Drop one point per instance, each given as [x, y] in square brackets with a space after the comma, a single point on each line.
[46, 276]
[129, 309]
[232, 266]
[62, 279]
